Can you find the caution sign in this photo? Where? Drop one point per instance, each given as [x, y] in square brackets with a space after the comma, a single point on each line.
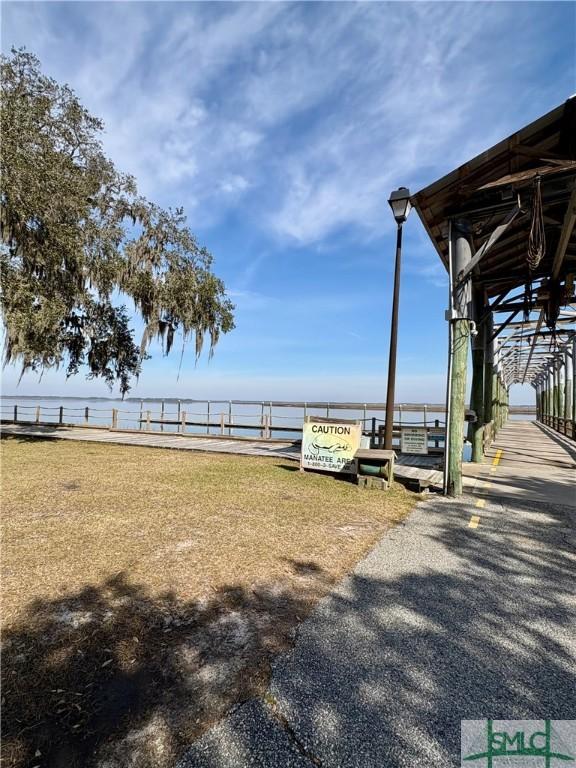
[329, 445]
[414, 440]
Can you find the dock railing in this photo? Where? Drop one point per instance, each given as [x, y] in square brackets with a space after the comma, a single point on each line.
[566, 427]
[267, 420]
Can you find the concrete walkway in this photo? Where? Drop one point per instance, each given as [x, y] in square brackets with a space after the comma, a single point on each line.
[466, 611]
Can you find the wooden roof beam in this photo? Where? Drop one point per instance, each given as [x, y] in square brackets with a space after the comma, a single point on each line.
[565, 235]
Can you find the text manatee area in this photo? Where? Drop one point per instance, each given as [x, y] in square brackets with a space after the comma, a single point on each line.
[329, 445]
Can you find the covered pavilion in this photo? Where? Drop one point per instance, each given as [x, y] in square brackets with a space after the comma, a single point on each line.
[503, 226]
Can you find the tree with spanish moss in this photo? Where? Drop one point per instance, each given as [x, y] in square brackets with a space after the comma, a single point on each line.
[77, 240]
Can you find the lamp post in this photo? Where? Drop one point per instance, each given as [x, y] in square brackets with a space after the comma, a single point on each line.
[400, 203]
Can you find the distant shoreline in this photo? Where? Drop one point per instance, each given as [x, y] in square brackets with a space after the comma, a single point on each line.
[432, 407]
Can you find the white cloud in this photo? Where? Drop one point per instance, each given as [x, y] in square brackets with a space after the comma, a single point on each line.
[307, 114]
[234, 184]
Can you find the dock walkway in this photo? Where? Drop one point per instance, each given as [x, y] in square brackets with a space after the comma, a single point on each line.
[527, 462]
[276, 449]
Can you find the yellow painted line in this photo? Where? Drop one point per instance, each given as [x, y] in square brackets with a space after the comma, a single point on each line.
[481, 503]
[496, 459]
[474, 521]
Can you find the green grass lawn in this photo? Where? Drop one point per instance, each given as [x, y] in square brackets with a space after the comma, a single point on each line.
[145, 591]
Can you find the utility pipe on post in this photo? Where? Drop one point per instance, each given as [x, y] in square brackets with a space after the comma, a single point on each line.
[458, 316]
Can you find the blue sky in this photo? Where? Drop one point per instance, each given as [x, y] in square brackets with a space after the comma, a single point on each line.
[282, 128]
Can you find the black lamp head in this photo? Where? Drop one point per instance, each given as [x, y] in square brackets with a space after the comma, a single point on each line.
[400, 203]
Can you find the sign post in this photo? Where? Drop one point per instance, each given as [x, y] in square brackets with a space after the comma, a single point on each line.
[329, 445]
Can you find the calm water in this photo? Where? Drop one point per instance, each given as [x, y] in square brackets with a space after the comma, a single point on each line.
[284, 421]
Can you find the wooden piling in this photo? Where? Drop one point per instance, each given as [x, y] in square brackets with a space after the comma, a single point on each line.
[574, 389]
[460, 313]
[460, 340]
[495, 396]
[61, 415]
[477, 401]
[568, 387]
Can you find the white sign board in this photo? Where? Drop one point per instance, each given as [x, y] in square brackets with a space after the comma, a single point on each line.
[329, 445]
[413, 440]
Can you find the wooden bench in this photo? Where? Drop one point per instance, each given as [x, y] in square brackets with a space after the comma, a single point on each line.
[374, 468]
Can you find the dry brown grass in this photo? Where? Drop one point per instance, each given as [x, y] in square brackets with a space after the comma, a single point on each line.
[144, 590]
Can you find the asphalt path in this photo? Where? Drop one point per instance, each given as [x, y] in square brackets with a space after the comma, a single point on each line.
[466, 611]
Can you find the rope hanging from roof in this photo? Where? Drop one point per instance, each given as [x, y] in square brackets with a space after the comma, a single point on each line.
[537, 238]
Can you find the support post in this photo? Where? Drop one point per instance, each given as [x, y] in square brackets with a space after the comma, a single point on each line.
[183, 422]
[460, 300]
[476, 431]
[568, 390]
[15, 414]
[61, 415]
[551, 399]
[561, 395]
[574, 388]
[37, 414]
[86, 414]
[556, 396]
[495, 394]
[114, 418]
[488, 377]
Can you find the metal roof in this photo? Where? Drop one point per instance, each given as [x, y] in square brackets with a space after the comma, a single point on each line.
[494, 192]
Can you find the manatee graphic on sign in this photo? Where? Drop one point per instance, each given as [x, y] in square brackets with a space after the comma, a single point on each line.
[329, 445]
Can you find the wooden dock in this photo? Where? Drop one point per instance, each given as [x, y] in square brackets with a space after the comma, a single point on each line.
[528, 462]
[275, 448]
[420, 471]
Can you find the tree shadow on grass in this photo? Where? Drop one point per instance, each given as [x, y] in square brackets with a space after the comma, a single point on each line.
[114, 676]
